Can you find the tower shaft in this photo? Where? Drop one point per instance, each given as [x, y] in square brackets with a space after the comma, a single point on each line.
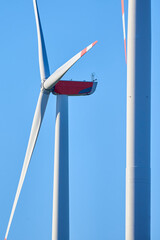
[138, 121]
[60, 224]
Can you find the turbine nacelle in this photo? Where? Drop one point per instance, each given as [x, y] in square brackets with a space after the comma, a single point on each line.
[74, 88]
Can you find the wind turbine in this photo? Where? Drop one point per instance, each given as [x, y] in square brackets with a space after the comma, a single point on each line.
[138, 179]
[53, 84]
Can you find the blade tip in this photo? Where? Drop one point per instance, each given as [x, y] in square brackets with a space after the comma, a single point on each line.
[122, 4]
[94, 43]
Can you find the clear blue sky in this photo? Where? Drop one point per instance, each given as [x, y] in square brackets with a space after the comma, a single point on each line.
[97, 123]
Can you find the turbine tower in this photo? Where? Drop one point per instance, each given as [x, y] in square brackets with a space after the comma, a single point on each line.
[53, 84]
[138, 120]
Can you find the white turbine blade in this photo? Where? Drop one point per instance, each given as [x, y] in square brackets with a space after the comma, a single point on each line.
[37, 120]
[43, 61]
[58, 74]
[124, 30]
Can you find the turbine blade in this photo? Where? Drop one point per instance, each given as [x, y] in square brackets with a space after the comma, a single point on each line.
[124, 30]
[43, 61]
[37, 120]
[58, 74]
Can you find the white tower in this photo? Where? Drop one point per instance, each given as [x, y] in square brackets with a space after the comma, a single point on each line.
[138, 121]
[60, 223]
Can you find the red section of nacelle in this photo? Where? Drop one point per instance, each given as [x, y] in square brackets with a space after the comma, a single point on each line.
[74, 88]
